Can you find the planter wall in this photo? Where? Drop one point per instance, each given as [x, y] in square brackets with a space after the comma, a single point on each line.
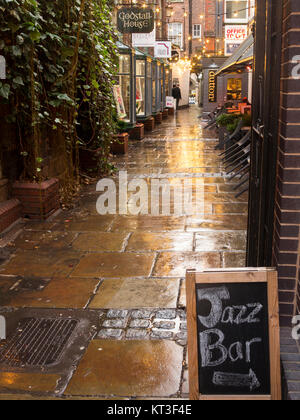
[149, 124]
[165, 114]
[10, 212]
[137, 133]
[39, 201]
[158, 118]
[120, 146]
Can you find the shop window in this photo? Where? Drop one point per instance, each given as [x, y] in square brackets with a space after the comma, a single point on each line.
[140, 87]
[154, 91]
[234, 89]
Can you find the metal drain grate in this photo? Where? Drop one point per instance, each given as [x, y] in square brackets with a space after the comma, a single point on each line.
[37, 342]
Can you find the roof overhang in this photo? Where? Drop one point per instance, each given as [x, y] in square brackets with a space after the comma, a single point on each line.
[242, 57]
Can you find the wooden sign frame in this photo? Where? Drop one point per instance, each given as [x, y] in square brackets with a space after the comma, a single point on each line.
[250, 275]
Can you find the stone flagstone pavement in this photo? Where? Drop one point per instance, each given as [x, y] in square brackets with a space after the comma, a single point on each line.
[127, 272]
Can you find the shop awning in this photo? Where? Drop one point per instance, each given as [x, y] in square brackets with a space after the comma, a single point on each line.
[240, 58]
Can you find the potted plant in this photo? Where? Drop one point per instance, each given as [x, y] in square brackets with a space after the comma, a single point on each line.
[120, 144]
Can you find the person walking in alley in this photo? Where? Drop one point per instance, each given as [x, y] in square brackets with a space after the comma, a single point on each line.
[176, 93]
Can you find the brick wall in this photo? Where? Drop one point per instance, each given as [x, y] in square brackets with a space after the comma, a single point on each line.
[287, 210]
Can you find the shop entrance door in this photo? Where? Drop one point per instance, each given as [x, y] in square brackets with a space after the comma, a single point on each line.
[266, 96]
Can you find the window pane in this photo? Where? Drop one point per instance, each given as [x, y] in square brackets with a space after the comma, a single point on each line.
[140, 67]
[124, 64]
[175, 34]
[140, 96]
[197, 31]
[234, 89]
[125, 95]
[236, 9]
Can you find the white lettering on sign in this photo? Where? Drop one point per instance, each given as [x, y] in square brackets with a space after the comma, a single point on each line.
[236, 380]
[212, 348]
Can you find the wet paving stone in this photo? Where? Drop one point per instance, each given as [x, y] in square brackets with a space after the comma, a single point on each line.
[54, 294]
[28, 382]
[114, 265]
[175, 264]
[41, 263]
[130, 368]
[98, 242]
[234, 259]
[148, 224]
[160, 241]
[134, 293]
[220, 241]
[94, 223]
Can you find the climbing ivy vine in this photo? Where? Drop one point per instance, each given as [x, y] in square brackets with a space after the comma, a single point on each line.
[61, 65]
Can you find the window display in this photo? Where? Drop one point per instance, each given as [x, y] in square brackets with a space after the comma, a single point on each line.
[234, 89]
[124, 91]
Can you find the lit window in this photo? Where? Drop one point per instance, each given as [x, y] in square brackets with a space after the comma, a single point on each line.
[236, 10]
[175, 34]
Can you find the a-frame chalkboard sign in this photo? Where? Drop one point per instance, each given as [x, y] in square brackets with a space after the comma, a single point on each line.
[233, 334]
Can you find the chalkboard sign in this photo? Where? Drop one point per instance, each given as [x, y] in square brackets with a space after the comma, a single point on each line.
[233, 325]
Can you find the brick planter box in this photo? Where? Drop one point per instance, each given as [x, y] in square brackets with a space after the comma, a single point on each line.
[39, 201]
[120, 146]
[165, 114]
[149, 124]
[10, 212]
[171, 111]
[137, 133]
[158, 118]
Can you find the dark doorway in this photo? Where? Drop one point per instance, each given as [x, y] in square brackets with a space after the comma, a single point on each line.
[266, 97]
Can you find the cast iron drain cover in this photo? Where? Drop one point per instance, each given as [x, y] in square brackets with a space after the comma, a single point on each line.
[37, 342]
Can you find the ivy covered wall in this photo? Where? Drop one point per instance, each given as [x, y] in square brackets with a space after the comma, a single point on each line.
[57, 97]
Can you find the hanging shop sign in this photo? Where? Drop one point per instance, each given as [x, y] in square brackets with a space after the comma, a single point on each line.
[132, 20]
[212, 86]
[233, 335]
[163, 49]
[144, 40]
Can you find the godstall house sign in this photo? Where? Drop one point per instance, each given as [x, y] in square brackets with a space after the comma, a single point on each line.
[133, 20]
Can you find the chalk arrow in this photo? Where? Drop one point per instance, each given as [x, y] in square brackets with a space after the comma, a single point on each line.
[236, 380]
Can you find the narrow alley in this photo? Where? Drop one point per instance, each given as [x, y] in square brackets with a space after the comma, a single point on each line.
[112, 287]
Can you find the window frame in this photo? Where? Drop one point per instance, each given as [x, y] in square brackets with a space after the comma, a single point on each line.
[198, 30]
[237, 20]
[171, 36]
